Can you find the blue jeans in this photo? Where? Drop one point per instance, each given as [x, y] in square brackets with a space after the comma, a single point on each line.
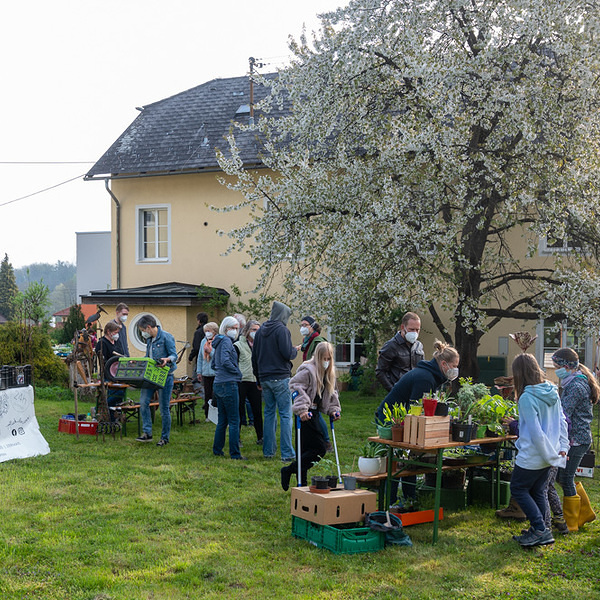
[566, 476]
[528, 488]
[277, 397]
[164, 401]
[227, 398]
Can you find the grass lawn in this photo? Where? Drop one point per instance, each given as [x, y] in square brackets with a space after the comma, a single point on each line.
[117, 519]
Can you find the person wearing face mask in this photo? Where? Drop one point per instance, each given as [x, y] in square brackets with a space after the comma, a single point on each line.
[106, 348]
[204, 372]
[580, 392]
[122, 314]
[160, 347]
[427, 376]
[311, 337]
[248, 387]
[225, 388]
[314, 392]
[400, 354]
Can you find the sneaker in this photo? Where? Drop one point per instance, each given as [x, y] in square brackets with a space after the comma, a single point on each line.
[259, 442]
[560, 525]
[144, 438]
[292, 459]
[163, 442]
[536, 538]
[238, 458]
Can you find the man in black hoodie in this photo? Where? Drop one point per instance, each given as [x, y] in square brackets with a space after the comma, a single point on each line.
[272, 354]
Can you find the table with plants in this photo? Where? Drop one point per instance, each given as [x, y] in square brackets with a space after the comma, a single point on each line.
[474, 418]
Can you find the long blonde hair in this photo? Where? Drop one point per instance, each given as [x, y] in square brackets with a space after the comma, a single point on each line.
[325, 377]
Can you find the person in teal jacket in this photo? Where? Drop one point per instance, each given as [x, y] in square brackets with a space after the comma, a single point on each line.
[542, 443]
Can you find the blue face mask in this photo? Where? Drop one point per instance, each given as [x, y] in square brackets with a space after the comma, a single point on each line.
[562, 373]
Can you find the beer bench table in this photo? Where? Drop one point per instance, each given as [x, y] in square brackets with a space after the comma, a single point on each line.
[183, 403]
[416, 466]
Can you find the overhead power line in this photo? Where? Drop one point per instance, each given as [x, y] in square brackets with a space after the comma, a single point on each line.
[44, 190]
[46, 162]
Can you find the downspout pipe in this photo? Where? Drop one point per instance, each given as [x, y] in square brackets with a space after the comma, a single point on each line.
[118, 232]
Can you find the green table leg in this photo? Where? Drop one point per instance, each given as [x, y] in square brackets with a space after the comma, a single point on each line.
[388, 481]
[438, 493]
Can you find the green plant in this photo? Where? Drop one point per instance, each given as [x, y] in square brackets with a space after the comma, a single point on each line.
[325, 466]
[344, 377]
[467, 399]
[373, 449]
[492, 410]
[395, 415]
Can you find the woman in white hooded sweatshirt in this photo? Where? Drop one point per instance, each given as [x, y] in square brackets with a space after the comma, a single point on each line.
[542, 443]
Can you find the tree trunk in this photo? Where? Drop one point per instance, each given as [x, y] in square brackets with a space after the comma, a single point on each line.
[467, 344]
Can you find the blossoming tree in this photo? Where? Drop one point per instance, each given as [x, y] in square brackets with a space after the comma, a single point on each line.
[417, 153]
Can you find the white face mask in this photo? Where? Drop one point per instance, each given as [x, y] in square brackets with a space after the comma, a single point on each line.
[326, 364]
[252, 334]
[233, 334]
[115, 337]
[208, 335]
[145, 335]
[304, 330]
[411, 336]
[123, 318]
[452, 373]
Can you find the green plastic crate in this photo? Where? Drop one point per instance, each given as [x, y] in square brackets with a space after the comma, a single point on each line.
[480, 490]
[338, 540]
[449, 499]
[141, 372]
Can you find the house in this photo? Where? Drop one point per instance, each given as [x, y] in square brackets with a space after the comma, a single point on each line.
[162, 177]
[61, 316]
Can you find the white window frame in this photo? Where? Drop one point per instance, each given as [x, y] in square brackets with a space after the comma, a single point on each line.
[540, 348]
[352, 342]
[139, 238]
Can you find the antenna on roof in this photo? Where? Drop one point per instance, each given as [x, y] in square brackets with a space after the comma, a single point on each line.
[258, 65]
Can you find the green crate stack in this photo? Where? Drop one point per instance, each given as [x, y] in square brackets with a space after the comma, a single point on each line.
[339, 540]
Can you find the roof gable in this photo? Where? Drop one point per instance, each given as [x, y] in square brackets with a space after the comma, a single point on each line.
[181, 133]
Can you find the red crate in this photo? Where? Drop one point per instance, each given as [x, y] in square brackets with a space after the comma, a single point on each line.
[85, 427]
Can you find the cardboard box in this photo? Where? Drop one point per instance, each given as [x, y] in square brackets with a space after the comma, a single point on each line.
[426, 431]
[337, 507]
[586, 466]
[85, 427]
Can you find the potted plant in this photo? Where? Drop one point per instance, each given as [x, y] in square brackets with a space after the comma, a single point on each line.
[429, 402]
[395, 417]
[349, 478]
[344, 380]
[384, 429]
[442, 406]
[326, 469]
[493, 410]
[368, 460]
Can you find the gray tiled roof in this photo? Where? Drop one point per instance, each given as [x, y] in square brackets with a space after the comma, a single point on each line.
[180, 134]
[173, 293]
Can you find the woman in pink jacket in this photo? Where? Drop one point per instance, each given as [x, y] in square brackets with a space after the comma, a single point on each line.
[314, 391]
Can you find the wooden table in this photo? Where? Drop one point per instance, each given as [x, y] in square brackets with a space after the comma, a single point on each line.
[414, 466]
[182, 404]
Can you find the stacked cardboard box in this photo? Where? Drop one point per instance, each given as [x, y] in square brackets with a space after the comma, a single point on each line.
[337, 507]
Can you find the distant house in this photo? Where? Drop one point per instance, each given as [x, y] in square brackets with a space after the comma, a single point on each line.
[61, 316]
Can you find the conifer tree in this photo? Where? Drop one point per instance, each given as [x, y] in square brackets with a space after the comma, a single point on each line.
[8, 288]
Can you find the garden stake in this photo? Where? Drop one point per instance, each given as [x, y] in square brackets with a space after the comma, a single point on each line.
[299, 455]
[337, 458]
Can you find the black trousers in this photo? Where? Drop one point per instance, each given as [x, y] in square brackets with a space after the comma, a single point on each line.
[313, 446]
[207, 382]
[249, 389]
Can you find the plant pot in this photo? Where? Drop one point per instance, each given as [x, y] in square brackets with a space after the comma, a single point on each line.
[461, 432]
[481, 431]
[385, 433]
[398, 433]
[368, 466]
[429, 405]
[382, 464]
[321, 483]
[332, 481]
[441, 410]
[349, 482]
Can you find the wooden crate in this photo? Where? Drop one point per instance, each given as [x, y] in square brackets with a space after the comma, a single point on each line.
[426, 431]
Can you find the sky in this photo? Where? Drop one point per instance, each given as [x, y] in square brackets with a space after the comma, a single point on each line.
[73, 73]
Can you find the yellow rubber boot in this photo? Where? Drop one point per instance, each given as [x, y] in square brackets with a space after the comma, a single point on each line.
[586, 512]
[571, 507]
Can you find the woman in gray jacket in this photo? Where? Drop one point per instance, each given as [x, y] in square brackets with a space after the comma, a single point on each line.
[314, 391]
